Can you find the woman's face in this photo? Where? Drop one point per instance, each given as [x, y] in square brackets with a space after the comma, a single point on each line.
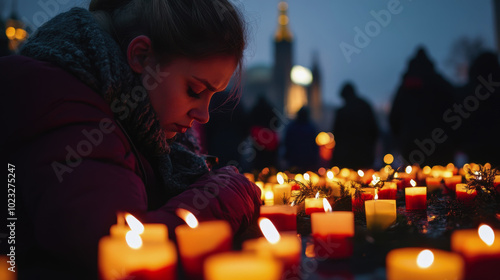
[180, 91]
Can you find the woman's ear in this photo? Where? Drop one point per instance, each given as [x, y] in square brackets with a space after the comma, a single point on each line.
[139, 53]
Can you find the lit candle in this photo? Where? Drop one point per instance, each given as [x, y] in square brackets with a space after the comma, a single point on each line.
[284, 217]
[130, 256]
[281, 190]
[286, 247]
[358, 202]
[333, 183]
[388, 191]
[380, 213]
[416, 197]
[153, 232]
[260, 185]
[197, 241]
[242, 266]
[332, 233]
[496, 183]
[464, 194]
[313, 204]
[268, 196]
[480, 249]
[451, 182]
[418, 264]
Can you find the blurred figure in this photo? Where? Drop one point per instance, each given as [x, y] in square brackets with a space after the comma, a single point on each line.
[301, 151]
[4, 41]
[416, 118]
[265, 141]
[355, 130]
[478, 124]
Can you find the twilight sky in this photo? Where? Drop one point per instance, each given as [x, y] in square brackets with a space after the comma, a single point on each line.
[323, 26]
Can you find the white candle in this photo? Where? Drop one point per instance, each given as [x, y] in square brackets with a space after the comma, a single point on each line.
[380, 213]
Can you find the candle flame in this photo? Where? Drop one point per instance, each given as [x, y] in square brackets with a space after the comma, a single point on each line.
[269, 230]
[317, 195]
[269, 195]
[425, 259]
[486, 234]
[188, 217]
[329, 175]
[413, 183]
[426, 170]
[396, 175]
[133, 239]
[306, 177]
[293, 203]
[134, 224]
[361, 173]
[408, 169]
[280, 179]
[375, 179]
[376, 195]
[326, 205]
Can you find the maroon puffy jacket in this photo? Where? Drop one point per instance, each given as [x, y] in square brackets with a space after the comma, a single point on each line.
[75, 168]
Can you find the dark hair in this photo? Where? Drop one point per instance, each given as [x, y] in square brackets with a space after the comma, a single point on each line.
[193, 29]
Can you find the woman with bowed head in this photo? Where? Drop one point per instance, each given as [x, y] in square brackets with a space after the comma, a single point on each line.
[98, 114]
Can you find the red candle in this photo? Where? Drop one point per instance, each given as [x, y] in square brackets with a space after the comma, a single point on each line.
[358, 203]
[416, 198]
[388, 191]
[284, 217]
[314, 205]
[465, 195]
[332, 234]
[451, 182]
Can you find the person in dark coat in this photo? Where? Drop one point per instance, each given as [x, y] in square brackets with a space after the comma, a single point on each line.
[416, 118]
[356, 132]
[301, 150]
[92, 109]
[478, 120]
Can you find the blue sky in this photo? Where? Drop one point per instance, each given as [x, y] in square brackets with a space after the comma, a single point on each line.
[324, 25]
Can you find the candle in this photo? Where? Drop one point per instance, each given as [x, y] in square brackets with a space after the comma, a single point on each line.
[260, 185]
[416, 197]
[284, 217]
[480, 249]
[496, 183]
[388, 191]
[358, 202]
[418, 264]
[281, 191]
[130, 256]
[434, 183]
[286, 247]
[314, 205]
[464, 194]
[7, 270]
[333, 183]
[380, 213]
[451, 182]
[197, 241]
[153, 232]
[242, 266]
[268, 196]
[332, 233]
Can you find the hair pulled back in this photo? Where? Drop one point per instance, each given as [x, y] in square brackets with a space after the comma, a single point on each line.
[177, 28]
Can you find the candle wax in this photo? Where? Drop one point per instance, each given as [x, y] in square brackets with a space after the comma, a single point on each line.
[284, 217]
[314, 205]
[416, 198]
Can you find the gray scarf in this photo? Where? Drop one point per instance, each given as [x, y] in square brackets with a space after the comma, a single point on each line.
[75, 42]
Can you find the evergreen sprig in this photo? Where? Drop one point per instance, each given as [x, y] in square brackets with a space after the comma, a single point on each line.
[482, 180]
[309, 190]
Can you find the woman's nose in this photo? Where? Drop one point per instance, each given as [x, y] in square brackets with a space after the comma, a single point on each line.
[200, 113]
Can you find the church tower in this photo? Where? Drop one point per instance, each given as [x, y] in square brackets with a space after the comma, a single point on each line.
[314, 92]
[283, 42]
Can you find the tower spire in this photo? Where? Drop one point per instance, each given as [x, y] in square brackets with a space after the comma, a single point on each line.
[283, 33]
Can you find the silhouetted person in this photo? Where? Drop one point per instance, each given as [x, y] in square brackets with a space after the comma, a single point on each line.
[301, 150]
[263, 124]
[355, 130]
[417, 120]
[227, 128]
[4, 41]
[478, 124]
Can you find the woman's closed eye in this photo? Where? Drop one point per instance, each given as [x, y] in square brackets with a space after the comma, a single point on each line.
[193, 94]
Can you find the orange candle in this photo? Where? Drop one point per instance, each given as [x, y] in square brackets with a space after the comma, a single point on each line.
[197, 241]
[313, 205]
[418, 264]
[130, 256]
[416, 197]
[388, 191]
[480, 249]
[332, 233]
[451, 182]
[284, 217]
[242, 266]
[465, 195]
[434, 183]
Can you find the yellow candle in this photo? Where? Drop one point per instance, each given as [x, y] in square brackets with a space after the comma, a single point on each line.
[418, 264]
[198, 241]
[380, 213]
[313, 204]
[242, 266]
[434, 184]
[260, 185]
[280, 191]
[153, 257]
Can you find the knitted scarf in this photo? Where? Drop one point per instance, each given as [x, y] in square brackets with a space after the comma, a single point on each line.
[75, 42]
